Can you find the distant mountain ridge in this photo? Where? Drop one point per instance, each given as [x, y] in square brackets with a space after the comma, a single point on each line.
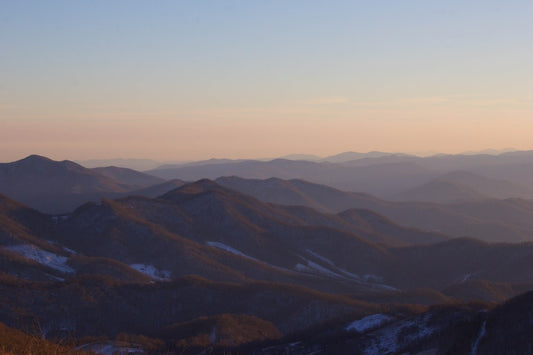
[461, 186]
[382, 174]
[60, 186]
[383, 179]
[487, 219]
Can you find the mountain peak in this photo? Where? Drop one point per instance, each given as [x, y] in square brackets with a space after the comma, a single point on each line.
[34, 158]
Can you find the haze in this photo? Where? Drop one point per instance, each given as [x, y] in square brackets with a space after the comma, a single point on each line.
[187, 80]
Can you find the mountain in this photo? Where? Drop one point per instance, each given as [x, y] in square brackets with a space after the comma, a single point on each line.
[490, 151]
[514, 167]
[452, 329]
[381, 179]
[350, 156]
[207, 267]
[136, 164]
[59, 187]
[508, 220]
[213, 161]
[309, 157]
[128, 176]
[205, 229]
[158, 189]
[55, 186]
[295, 192]
[441, 191]
[460, 186]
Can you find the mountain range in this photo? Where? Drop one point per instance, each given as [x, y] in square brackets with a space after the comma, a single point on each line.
[259, 265]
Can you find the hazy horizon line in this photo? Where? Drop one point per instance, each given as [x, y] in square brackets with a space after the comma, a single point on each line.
[291, 156]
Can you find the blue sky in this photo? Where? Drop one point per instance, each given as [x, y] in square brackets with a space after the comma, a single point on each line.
[198, 79]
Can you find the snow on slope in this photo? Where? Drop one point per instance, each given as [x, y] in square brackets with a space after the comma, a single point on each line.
[392, 338]
[368, 322]
[152, 271]
[230, 249]
[344, 273]
[337, 272]
[240, 253]
[42, 257]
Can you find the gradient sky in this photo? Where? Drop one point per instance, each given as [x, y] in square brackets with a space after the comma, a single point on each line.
[181, 80]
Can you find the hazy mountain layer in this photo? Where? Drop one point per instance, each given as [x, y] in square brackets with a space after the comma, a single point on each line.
[508, 220]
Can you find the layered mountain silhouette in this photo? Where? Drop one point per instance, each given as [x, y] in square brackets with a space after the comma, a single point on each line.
[381, 179]
[462, 186]
[381, 174]
[504, 220]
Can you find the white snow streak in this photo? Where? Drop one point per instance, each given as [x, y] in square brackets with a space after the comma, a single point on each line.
[337, 272]
[230, 249]
[240, 253]
[332, 264]
[482, 333]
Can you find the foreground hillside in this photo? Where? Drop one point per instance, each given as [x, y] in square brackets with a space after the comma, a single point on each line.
[15, 342]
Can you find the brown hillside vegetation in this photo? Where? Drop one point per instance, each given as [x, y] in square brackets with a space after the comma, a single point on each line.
[15, 342]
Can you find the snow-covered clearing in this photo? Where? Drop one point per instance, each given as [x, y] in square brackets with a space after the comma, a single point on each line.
[152, 271]
[42, 257]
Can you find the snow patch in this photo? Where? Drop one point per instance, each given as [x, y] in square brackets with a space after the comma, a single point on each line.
[42, 257]
[152, 271]
[392, 338]
[368, 322]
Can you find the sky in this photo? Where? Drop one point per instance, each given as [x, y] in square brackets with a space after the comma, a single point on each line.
[191, 80]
